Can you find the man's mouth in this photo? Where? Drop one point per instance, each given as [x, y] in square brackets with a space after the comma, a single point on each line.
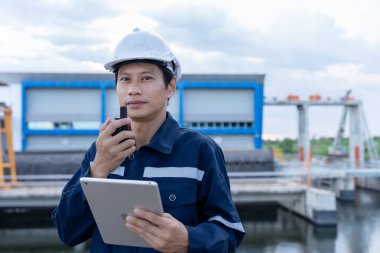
[135, 102]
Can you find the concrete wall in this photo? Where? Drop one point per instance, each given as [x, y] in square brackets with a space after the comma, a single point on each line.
[369, 183]
[316, 205]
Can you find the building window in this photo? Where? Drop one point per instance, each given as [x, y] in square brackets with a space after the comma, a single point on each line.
[218, 125]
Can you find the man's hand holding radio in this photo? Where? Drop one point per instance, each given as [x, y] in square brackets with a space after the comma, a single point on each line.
[111, 150]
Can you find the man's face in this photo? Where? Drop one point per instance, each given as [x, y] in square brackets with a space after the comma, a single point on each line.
[141, 87]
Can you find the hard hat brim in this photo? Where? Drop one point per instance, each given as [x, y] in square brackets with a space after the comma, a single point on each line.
[111, 66]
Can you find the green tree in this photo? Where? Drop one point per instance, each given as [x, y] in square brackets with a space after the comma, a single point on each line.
[288, 146]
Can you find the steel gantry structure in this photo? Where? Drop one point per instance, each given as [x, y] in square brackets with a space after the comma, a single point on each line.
[359, 135]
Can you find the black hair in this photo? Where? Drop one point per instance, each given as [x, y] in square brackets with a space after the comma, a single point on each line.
[166, 73]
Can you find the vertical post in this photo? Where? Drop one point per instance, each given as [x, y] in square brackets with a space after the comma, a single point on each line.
[356, 138]
[6, 147]
[258, 94]
[103, 103]
[1, 153]
[303, 132]
[8, 134]
[180, 88]
[24, 125]
[308, 169]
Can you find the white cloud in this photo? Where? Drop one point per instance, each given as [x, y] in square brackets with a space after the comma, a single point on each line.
[303, 47]
[357, 18]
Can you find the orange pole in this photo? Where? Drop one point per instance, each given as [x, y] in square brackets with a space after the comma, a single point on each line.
[1, 156]
[308, 168]
[357, 162]
[8, 133]
[301, 154]
[357, 156]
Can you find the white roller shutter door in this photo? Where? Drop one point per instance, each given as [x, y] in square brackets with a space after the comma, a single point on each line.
[211, 105]
[60, 104]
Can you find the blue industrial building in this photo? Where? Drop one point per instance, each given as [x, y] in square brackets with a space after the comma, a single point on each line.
[63, 111]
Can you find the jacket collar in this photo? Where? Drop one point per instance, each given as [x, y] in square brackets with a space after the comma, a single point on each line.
[165, 137]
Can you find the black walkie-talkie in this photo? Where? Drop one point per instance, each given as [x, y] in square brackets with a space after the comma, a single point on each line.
[123, 114]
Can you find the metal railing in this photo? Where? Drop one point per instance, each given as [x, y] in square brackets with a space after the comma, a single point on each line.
[292, 171]
[39, 180]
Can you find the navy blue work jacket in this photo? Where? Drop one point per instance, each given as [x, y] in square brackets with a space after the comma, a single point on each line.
[184, 163]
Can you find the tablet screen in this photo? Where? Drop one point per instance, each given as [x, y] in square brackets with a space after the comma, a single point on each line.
[111, 200]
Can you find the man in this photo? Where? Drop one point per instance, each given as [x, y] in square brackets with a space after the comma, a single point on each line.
[188, 166]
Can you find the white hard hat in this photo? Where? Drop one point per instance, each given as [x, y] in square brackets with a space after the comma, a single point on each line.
[143, 45]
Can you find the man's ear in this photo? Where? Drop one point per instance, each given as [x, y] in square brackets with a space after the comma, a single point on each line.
[172, 86]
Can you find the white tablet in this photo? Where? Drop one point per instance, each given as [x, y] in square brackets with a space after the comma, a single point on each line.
[111, 200]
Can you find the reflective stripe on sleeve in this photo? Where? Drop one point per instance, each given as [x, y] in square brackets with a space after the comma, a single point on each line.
[184, 172]
[118, 171]
[237, 225]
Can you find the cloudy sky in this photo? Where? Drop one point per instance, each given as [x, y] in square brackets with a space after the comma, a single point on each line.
[303, 47]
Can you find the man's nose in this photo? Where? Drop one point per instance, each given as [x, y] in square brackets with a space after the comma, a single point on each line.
[134, 89]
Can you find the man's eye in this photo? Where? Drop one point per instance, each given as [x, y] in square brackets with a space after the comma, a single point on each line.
[147, 78]
[123, 79]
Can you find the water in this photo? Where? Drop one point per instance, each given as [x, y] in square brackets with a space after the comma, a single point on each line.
[25, 232]
[270, 229]
[276, 230]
